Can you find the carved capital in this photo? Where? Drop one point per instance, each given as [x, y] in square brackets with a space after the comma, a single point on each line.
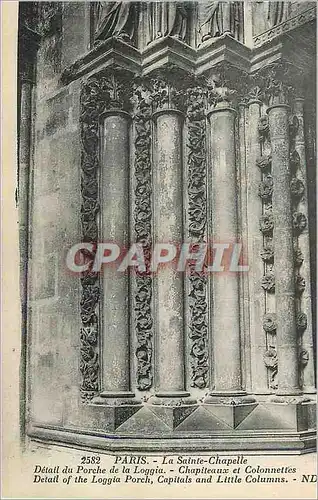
[169, 88]
[105, 92]
[226, 84]
[277, 79]
[255, 94]
[218, 95]
[116, 91]
[166, 95]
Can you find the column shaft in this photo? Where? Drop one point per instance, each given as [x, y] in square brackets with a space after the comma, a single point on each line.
[24, 175]
[168, 227]
[115, 228]
[243, 232]
[287, 352]
[223, 221]
[24, 165]
[255, 245]
[303, 241]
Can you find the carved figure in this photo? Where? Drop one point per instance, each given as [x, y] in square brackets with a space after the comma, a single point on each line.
[277, 12]
[221, 18]
[115, 19]
[167, 19]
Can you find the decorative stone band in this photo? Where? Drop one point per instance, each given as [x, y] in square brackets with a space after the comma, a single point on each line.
[89, 362]
[98, 94]
[198, 328]
[286, 26]
[142, 226]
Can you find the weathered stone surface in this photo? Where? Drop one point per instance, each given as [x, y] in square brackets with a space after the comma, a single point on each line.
[138, 136]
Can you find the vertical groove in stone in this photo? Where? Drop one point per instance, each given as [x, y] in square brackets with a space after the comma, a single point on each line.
[143, 234]
[302, 254]
[197, 216]
[89, 362]
[287, 349]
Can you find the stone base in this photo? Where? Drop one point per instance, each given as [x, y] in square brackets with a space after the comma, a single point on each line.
[265, 427]
[170, 399]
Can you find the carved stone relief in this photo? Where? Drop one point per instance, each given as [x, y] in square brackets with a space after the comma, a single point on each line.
[142, 225]
[167, 19]
[116, 19]
[98, 94]
[196, 104]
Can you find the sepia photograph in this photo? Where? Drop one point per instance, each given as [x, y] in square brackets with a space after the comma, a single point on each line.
[164, 212]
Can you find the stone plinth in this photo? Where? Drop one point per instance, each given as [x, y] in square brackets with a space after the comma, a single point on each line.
[179, 136]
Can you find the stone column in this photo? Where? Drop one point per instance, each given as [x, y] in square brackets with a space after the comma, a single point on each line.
[168, 282]
[27, 48]
[304, 245]
[287, 351]
[243, 232]
[255, 245]
[223, 225]
[114, 196]
[24, 171]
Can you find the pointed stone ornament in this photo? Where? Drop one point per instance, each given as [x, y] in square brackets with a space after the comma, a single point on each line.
[232, 415]
[203, 420]
[144, 422]
[173, 416]
[262, 418]
[124, 413]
